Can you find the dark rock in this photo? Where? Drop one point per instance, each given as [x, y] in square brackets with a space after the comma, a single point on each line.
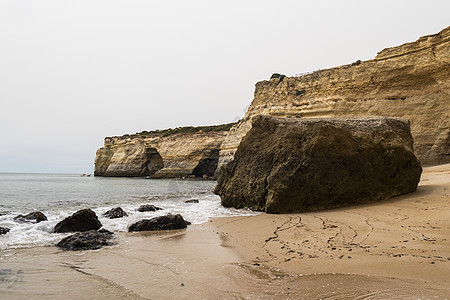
[115, 213]
[148, 207]
[191, 201]
[82, 220]
[294, 165]
[4, 230]
[88, 240]
[168, 222]
[278, 75]
[37, 216]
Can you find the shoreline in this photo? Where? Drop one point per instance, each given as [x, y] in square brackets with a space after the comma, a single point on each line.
[398, 248]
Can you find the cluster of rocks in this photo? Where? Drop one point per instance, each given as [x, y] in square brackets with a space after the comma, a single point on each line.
[90, 236]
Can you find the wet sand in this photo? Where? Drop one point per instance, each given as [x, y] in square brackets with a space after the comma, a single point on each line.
[395, 249]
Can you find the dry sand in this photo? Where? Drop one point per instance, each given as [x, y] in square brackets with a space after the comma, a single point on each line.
[396, 249]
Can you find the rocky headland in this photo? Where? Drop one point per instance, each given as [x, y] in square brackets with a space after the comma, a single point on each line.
[183, 152]
[411, 81]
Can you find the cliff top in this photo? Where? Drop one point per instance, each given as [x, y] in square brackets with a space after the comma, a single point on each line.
[177, 130]
[423, 43]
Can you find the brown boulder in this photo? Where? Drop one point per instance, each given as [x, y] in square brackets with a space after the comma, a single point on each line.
[294, 165]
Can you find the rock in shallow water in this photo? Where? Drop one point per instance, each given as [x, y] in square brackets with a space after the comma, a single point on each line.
[37, 216]
[89, 240]
[115, 213]
[191, 201]
[148, 207]
[82, 220]
[4, 230]
[295, 165]
[168, 222]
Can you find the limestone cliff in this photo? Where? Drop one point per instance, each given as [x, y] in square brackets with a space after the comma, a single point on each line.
[411, 81]
[158, 156]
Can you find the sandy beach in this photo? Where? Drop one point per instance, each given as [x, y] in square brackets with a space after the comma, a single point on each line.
[395, 249]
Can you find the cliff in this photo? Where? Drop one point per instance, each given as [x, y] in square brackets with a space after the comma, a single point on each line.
[411, 81]
[160, 155]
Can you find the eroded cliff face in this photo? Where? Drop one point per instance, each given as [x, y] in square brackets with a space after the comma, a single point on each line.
[177, 155]
[411, 81]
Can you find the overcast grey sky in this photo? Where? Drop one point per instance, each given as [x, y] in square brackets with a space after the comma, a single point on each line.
[73, 72]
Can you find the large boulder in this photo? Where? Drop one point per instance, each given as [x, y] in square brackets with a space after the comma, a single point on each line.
[168, 222]
[114, 213]
[88, 240]
[288, 165]
[82, 220]
[34, 216]
[4, 230]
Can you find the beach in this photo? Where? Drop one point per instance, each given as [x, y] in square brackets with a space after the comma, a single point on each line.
[397, 249]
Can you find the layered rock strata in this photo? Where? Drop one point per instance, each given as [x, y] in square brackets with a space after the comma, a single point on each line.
[411, 81]
[156, 156]
[286, 165]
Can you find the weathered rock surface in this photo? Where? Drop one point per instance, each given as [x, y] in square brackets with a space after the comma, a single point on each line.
[168, 222]
[34, 216]
[82, 220]
[88, 240]
[148, 207]
[155, 156]
[294, 165]
[411, 81]
[4, 230]
[115, 213]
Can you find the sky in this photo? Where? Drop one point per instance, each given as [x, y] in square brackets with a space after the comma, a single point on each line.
[74, 72]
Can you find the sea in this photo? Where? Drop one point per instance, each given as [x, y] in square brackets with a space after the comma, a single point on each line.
[60, 195]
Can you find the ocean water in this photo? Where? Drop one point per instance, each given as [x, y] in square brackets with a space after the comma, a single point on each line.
[60, 195]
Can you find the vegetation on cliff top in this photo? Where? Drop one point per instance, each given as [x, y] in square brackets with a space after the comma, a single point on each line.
[185, 129]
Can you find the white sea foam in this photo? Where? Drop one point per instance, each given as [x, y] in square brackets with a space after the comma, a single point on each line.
[40, 234]
[28, 234]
